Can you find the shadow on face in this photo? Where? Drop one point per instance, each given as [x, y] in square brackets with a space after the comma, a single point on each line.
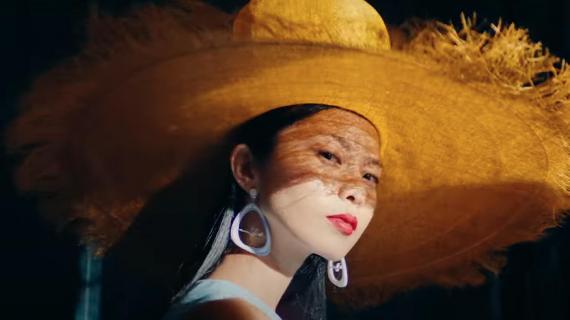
[323, 165]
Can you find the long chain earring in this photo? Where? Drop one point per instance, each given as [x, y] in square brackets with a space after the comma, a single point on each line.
[333, 267]
[236, 228]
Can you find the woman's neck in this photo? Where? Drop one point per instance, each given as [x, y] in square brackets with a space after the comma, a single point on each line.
[266, 277]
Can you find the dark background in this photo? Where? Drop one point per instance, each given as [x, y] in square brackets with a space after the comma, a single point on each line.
[39, 268]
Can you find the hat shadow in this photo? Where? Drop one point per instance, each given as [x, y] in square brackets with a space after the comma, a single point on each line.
[447, 236]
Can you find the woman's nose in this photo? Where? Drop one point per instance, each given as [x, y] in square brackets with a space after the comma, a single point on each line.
[353, 193]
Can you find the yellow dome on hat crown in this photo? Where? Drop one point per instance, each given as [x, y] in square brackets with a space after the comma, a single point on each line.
[346, 23]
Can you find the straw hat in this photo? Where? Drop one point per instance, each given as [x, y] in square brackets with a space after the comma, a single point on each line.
[474, 125]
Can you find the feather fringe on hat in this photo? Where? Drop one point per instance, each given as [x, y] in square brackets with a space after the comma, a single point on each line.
[505, 61]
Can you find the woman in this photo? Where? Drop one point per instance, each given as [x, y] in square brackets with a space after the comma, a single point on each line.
[315, 170]
[472, 137]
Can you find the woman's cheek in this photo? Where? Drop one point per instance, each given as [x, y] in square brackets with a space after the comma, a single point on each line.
[366, 219]
[296, 169]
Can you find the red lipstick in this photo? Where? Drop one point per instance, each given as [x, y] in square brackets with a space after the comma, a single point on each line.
[344, 222]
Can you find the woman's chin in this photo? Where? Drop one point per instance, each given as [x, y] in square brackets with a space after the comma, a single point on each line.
[332, 256]
[334, 253]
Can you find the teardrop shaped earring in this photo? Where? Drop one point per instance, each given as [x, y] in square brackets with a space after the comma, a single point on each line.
[333, 267]
[235, 228]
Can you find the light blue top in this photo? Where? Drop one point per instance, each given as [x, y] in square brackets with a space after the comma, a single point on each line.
[206, 290]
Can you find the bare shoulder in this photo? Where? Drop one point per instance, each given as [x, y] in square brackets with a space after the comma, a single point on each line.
[225, 309]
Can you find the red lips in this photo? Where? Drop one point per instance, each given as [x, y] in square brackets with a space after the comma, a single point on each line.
[344, 222]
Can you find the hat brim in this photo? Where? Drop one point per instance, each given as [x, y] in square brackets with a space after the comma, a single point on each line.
[466, 172]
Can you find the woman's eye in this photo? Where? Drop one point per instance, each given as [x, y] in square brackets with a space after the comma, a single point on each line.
[371, 177]
[329, 156]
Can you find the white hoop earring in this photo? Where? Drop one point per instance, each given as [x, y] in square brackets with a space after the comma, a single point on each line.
[333, 267]
[235, 228]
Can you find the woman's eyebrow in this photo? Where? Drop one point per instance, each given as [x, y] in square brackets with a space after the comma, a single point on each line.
[374, 162]
[341, 140]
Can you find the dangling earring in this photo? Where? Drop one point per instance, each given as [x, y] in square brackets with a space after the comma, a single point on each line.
[235, 228]
[333, 267]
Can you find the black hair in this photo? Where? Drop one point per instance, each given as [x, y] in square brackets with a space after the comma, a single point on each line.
[306, 296]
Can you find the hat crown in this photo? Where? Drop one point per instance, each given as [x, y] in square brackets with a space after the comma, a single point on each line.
[346, 23]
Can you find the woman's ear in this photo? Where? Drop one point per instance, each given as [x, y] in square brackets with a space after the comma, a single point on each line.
[243, 169]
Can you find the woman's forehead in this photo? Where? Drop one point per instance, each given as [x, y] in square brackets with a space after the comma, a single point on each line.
[336, 124]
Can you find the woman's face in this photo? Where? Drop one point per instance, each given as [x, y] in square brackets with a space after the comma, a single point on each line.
[323, 167]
